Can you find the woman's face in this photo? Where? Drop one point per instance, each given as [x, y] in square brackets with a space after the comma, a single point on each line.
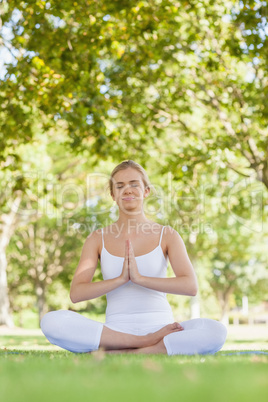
[128, 189]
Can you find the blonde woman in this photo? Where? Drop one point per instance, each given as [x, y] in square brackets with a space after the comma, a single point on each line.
[133, 253]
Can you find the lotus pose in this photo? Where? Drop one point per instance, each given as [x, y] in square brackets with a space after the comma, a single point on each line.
[133, 253]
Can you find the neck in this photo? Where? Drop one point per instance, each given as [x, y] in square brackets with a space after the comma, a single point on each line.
[131, 223]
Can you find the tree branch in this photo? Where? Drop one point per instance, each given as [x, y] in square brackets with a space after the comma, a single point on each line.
[235, 170]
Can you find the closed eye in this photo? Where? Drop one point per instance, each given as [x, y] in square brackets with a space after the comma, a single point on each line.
[134, 185]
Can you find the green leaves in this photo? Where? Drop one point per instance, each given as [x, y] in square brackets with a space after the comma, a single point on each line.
[181, 87]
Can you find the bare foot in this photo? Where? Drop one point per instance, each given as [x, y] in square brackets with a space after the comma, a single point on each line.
[155, 337]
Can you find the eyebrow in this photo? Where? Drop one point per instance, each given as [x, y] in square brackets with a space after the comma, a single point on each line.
[131, 181]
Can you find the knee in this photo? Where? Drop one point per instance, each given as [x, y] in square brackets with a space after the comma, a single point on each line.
[216, 335]
[51, 323]
[47, 322]
[218, 329]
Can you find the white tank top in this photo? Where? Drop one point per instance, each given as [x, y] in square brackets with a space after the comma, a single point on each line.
[131, 300]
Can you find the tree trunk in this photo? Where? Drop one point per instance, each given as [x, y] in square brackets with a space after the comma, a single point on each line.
[195, 307]
[38, 254]
[223, 297]
[5, 317]
[41, 302]
[225, 317]
[7, 228]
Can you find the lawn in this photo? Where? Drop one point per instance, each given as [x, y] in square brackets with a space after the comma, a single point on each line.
[33, 370]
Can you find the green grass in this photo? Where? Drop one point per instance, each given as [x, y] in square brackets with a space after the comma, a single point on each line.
[32, 375]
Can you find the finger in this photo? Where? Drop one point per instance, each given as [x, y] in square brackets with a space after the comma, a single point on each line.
[126, 250]
[131, 252]
[128, 247]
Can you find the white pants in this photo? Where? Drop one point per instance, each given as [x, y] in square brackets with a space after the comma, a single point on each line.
[78, 334]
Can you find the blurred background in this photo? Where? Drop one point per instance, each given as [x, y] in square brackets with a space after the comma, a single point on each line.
[179, 87]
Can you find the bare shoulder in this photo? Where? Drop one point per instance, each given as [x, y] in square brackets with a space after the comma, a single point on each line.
[172, 237]
[155, 227]
[94, 239]
[94, 235]
[170, 231]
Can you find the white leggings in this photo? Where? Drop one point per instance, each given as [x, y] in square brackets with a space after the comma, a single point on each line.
[78, 334]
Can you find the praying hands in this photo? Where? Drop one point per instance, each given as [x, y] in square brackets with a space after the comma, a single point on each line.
[130, 270]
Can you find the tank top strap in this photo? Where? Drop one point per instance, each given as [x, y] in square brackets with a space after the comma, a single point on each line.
[161, 235]
[102, 237]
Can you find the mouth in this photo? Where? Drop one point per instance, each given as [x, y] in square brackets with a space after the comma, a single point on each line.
[128, 198]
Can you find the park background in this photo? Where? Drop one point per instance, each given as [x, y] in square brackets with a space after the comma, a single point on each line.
[178, 86]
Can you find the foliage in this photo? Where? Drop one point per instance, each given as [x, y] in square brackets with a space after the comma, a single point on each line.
[180, 87]
[123, 73]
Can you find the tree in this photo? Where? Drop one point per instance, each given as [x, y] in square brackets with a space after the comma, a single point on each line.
[163, 83]
[140, 69]
[8, 222]
[54, 219]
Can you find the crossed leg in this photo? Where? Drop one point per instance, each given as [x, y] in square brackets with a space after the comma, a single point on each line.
[158, 348]
[200, 336]
[79, 334]
[119, 342]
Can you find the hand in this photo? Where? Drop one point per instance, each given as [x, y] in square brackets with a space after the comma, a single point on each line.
[134, 274]
[125, 271]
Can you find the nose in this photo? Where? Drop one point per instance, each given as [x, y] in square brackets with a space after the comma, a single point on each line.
[128, 190]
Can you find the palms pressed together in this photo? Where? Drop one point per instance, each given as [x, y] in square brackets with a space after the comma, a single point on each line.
[130, 272]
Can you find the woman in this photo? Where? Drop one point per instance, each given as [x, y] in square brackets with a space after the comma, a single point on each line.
[133, 253]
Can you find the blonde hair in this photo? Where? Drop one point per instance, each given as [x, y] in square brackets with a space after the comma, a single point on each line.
[129, 164]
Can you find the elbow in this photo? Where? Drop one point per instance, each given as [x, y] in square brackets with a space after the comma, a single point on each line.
[194, 286]
[74, 299]
[194, 290]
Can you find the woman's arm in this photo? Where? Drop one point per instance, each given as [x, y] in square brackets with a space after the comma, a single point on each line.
[185, 281]
[81, 287]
